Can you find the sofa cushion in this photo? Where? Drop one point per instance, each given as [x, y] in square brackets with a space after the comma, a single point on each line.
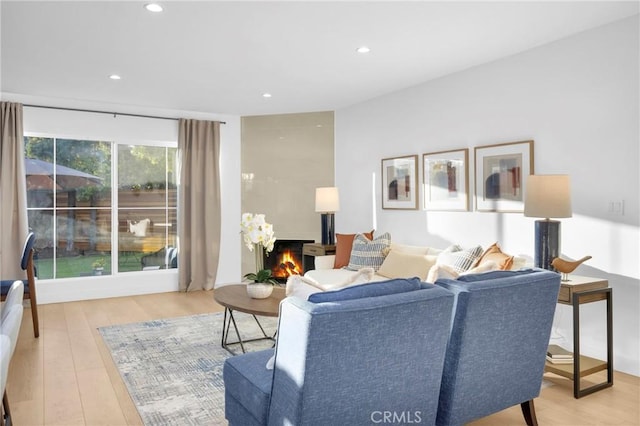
[381, 288]
[344, 244]
[248, 382]
[495, 254]
[366, 253]
[417, 250]
[461, 260]
[402, 265]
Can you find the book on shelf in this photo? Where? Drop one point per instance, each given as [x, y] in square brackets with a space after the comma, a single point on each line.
[556, 352]
[560, 360]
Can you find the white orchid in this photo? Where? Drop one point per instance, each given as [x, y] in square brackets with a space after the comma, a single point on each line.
[255, 230]
[258, 236]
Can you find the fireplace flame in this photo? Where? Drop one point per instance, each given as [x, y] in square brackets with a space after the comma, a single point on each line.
[287, 265]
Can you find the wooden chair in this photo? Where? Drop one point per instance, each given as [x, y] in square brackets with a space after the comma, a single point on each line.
[29, 284]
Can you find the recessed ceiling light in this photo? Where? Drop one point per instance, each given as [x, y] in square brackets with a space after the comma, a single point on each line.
[153, 7]
[115, 77]
[266, 95]
[363, 49]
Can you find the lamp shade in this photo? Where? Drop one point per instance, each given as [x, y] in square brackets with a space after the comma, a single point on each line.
[548, 196]
[327, 200]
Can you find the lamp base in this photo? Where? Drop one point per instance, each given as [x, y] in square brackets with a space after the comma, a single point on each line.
[328, 229]
[547, 244]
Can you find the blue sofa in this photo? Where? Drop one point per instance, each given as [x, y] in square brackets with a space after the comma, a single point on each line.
[348, 357]
[376, 353]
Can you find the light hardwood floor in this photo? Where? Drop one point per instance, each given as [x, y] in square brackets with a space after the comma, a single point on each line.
[66, 377]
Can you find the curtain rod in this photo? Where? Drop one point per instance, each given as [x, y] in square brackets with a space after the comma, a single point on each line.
[107, 112]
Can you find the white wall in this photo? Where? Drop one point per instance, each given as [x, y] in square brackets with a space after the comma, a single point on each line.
[122, 128]
[578, 100]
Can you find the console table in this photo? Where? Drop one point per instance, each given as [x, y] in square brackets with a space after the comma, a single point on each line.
[575, 292]
[311, 250]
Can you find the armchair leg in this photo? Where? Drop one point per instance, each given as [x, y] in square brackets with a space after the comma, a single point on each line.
[529, 413]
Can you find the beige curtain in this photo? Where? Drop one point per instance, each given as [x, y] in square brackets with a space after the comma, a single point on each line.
[13, 190]
[198, 204]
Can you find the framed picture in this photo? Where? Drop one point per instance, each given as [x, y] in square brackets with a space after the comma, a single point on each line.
[501, 172]
[446, 180]
[400, 183]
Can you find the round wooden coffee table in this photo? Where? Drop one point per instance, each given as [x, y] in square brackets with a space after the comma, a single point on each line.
[235, 298]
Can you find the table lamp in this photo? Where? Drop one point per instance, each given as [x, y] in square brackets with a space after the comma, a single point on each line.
[327, 202]
[547, 196]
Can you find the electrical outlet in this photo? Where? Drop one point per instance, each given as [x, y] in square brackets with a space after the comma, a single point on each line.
[616, 208]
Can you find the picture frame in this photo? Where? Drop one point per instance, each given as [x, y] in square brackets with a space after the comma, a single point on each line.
[445, 177]
[400, 183]
[501, 175]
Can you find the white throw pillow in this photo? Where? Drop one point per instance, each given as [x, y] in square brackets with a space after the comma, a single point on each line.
[399, 264]
[518, 263]
[446, 271]
[441, 271]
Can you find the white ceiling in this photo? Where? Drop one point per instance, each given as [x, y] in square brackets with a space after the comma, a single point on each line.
[219, 57]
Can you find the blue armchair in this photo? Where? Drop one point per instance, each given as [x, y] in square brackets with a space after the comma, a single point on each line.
[354, 356]
[499, 337]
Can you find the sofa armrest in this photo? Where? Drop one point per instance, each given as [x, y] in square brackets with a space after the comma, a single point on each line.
[325, 262]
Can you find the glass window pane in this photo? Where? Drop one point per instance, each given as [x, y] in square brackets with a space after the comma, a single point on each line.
[143, 176]
[83, 169]
[38, 165]
[84, 242]
[172, 184]
[41, 224]
[143, 236]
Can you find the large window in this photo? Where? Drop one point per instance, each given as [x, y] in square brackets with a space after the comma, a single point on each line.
[80, 193]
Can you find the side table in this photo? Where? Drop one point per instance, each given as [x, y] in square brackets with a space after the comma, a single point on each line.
[575, 292]
[311, 250]
[235, 298]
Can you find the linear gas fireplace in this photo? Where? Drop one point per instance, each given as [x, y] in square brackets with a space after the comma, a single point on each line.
[286, 259]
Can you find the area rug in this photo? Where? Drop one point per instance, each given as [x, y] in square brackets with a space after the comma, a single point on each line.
[173, 367]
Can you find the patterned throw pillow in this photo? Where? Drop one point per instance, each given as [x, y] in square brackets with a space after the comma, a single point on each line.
[344, 245]
[366, 253]
[461, 260]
